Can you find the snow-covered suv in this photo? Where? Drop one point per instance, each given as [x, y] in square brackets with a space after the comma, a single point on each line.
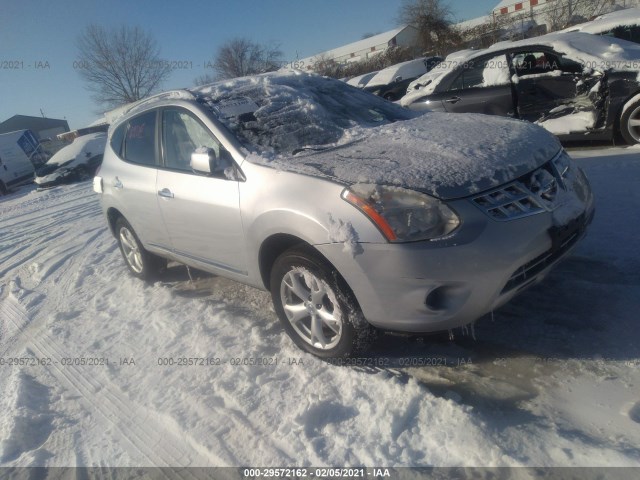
[355, 213]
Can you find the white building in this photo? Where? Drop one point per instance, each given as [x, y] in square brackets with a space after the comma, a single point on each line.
[512, 19]
[542, 11]
[406, 36]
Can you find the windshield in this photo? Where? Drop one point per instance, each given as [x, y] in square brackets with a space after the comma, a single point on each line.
[283, 113]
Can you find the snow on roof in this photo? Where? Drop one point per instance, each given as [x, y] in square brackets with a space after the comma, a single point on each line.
[609, 21]
[410, 69]
[363, 44]
[589, 49]
[91, 144]
[361, 80]
[112, 116]
[474, 22]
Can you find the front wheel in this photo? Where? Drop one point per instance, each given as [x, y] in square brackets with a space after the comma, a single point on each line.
[630, 123]
[141, 263]
[316, 307]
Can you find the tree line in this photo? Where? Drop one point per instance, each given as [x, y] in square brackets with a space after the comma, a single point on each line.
[124, 65]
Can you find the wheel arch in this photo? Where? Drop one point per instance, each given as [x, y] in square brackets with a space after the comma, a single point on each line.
[271, 248]
[112, 217]
[620, 110]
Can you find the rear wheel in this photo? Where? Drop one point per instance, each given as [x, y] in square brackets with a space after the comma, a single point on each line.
[316, 307]
[630, 123]
[141, 263]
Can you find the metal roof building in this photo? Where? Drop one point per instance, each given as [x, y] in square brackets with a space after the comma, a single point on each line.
[42, 127]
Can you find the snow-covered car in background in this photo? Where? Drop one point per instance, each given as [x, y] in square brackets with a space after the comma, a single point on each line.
[624, 24]
[73, 163]
[361, 81]
[353, 212]
[391, 83]
[573, 84]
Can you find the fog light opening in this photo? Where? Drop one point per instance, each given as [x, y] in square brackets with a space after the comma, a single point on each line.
[437, 299]
[447, 297]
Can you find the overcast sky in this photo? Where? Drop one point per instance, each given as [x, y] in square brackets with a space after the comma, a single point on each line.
[39, 36]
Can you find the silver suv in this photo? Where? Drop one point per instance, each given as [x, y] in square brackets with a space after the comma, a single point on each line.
[356, 214]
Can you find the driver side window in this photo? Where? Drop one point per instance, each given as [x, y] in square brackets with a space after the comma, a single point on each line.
[182, 135]
[535, 63]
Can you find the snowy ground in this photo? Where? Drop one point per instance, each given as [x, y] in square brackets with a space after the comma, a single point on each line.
[553, 379]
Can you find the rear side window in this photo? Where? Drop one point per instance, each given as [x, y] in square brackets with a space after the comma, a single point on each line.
[139, 140]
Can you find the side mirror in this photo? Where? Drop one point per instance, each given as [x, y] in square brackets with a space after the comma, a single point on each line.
[203, 161]
[398, 79]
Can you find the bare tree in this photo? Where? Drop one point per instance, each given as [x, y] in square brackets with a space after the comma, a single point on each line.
[564, 13]
[121, 65]
[240, 57]
[432, 18]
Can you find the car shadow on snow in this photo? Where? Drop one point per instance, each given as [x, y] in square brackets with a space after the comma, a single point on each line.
[580, 313]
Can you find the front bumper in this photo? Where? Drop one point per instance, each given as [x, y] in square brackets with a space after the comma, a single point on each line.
[432, 286]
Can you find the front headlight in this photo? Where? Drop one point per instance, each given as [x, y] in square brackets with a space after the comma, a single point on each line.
[402, 215]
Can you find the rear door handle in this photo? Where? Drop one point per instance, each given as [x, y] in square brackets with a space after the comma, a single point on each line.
[118, 184]
[165, 193]
[453, 100]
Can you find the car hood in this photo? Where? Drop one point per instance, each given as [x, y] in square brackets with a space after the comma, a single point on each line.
[445, 155]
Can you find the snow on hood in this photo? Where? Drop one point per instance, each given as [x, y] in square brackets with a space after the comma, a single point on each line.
[444, 155]
[606, 23]
[82, 148]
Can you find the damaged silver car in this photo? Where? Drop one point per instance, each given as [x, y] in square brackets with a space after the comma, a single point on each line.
[356, 214]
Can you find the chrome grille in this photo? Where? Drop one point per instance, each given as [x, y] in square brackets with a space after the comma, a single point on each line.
[529, 195]
[509, 202]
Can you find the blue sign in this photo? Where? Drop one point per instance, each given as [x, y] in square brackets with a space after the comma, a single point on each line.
[28, 142]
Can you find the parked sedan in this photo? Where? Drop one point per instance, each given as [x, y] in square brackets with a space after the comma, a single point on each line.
[73, 163]
[356, 214]
[573, 84]
[391, 83]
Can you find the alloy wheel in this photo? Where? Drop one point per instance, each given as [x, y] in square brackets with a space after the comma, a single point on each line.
[311, 308]
[131, 251]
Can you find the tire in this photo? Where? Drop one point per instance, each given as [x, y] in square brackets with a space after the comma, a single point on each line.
[327, 323]
[630, 124]
[141, 263]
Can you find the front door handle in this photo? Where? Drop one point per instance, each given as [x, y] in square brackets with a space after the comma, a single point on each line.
[453, 100]
[165, 193]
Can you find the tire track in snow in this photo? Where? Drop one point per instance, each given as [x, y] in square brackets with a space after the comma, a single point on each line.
[139, 427]
[144, 429]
